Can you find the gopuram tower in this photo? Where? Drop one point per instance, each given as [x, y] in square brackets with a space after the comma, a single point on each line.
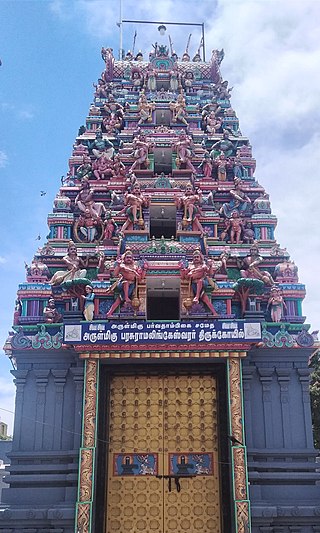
[161, 355]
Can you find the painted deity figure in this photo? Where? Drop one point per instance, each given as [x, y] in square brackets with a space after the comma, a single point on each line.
[151, 80]
[222, 164]
[224, 146]
[187, 81]
[199, 274]
[250, 267]
[137, 79]
[84, 200]
[190, 201]
[184, 152]
[248, 232]
[119, 169]
[235, 226]
[145, 109]
[179, 110]
[206, 165]
[84, 171]
[276, 304]
[74, 265]
[88, 226]
[102, 168]
[239, 171]
[88, 298]
[110, 227]
[101, 146]
[134, 201]
[101, 90]
[50, 313]
[239, 200]
[222, 90]
[128, 274]
[174, 81]
[141, 148]
[212, 123]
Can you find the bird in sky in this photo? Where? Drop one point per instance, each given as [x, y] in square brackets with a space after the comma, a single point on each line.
[38, 238]
[43, 193]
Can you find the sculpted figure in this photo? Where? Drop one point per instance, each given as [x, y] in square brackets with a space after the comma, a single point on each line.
[239, 200]
[239, 171]
[74, 266]
[102, 168]
[119, 169]
[151, 80]
[174, 81]
[141, 149]
[222, 90]
[212, 107]
[235, 226]
[222, 164]
[190, 201]
[224, 146]
[187, 81]
[101, 146]
[129, 274]
[206, 165]
[88, 226]
[101, 90]
[250, 267]
[84, 171]
[84, 200]
[137, 79]
[110, 226]
[179, 110]
[134, 201]
[145, 109]
[184, 152]
[114, 114]
[212, 123]
[50, 313]
[276, 304]
[199, 274]
[88, 298]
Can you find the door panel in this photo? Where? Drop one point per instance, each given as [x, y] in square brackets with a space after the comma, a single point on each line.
[163, 426]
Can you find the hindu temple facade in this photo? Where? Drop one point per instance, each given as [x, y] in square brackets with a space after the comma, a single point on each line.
[160, 349]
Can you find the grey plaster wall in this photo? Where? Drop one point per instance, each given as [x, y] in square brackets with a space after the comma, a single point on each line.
[284, 483]
[43, 473]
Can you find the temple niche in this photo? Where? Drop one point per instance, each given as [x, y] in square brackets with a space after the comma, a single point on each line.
[159, 341]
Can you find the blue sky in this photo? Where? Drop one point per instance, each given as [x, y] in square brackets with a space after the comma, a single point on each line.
[50, 52]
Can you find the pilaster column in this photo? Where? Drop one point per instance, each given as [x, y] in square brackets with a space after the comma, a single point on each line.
[84, 509]
[19, 381]
[247, 374]
[238, 449]
[41, 383]
[284, 377]
[304, 378]
[59, 381]
[77, 374]
[266, 377]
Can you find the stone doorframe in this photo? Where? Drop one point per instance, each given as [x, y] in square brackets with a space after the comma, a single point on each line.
[87, 457]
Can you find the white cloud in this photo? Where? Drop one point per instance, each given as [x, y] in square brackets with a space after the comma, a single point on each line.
[3, 159]
[2, 260]
[25, 114]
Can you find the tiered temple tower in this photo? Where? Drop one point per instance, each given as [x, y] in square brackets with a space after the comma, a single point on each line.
[161, 355]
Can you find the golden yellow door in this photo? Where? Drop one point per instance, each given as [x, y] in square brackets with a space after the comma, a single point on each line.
[163, 473]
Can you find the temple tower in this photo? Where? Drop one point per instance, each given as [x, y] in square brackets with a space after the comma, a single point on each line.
[161, 354]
